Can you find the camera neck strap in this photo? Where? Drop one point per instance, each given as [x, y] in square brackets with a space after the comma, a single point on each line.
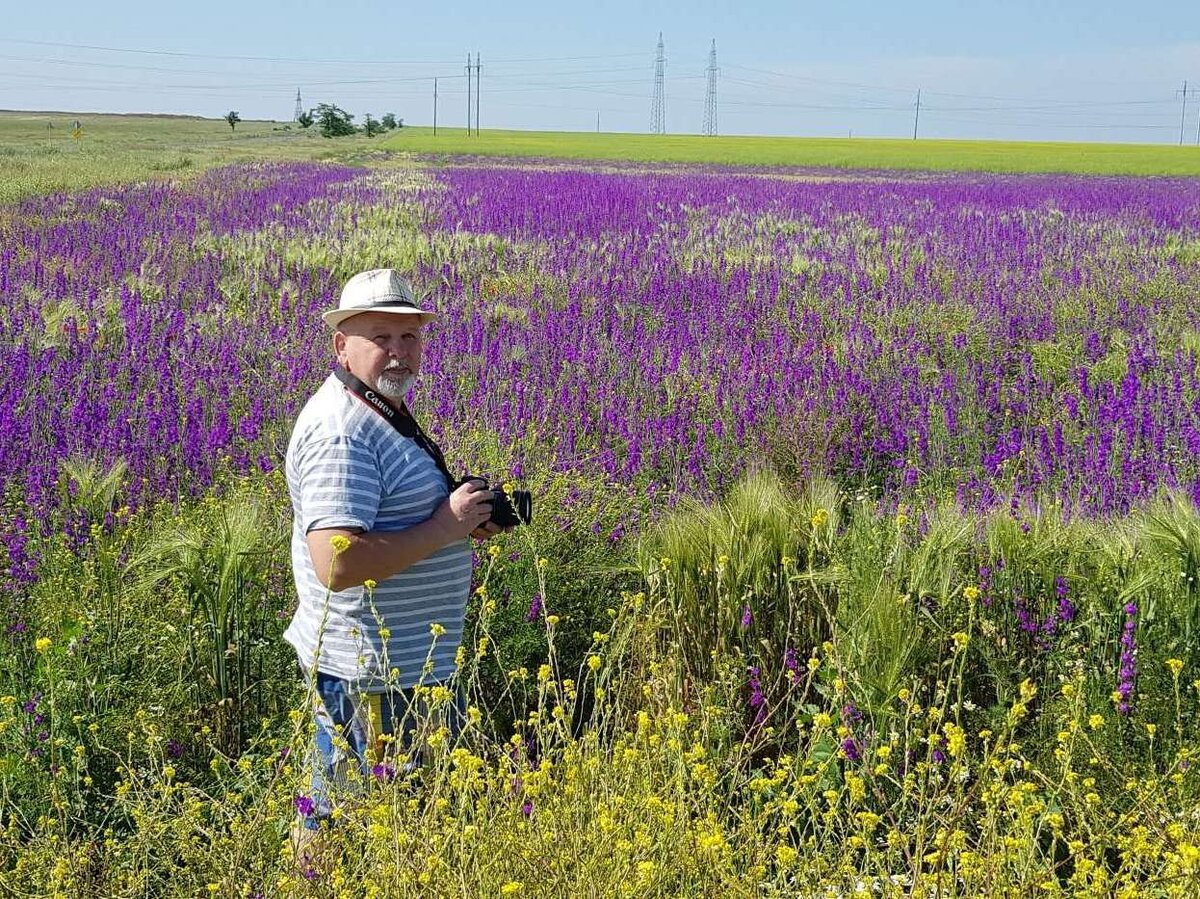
[398, 417]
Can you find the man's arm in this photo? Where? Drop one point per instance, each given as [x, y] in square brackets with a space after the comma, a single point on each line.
[377, 555]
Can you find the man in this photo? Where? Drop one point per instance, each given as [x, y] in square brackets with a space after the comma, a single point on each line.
[374, 505]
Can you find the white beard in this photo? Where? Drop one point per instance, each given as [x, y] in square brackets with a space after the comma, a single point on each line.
[395, 386]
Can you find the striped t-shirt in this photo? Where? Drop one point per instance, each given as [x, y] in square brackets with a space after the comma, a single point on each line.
[348, 468]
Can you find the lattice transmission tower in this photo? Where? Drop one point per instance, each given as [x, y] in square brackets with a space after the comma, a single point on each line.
[658, 109]
[299, 109]
[710, 94]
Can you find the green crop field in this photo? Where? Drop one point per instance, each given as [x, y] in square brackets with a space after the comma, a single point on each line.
[937, 155]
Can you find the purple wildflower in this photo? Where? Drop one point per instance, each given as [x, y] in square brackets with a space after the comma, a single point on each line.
[305, 806]
[1128, 672]
[535, 608]
[527, 807]
[758, 701]
[791, 664]
[1066, 609]
[747, 617]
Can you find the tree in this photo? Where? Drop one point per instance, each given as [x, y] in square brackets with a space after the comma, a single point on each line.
[305, 119]
[388, 121]
[334, 121]
[370, 126]
[232, 118]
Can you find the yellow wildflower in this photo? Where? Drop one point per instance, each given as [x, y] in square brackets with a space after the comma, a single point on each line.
[956, 740]
[437, 630]
[42, 644]
[971, 593]
[1176, 665]
[339, 542]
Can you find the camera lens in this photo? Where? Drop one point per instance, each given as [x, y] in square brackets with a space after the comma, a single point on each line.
[509, 510]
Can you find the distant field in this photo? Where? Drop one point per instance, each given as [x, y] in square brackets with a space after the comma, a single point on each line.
[940, 155]
[39, 152]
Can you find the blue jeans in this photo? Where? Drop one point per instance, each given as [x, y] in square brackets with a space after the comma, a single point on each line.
[360, 719]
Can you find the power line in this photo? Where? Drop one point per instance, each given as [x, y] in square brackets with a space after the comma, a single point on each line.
[303, 59]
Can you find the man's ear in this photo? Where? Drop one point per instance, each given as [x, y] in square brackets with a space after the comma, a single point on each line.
[339, 347]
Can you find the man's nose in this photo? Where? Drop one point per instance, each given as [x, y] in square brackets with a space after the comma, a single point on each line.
[399, 349]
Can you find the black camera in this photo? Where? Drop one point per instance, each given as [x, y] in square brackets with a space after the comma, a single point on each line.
[508, 509]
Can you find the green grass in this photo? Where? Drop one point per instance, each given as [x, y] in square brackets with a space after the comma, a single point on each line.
[39, 153]
[938, 155]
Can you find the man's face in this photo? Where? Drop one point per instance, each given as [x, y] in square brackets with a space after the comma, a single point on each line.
[381, 349]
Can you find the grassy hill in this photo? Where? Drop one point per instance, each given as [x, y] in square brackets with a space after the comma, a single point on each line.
[43, 152]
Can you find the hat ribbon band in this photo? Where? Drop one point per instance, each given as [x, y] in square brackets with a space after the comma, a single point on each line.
[400, 302]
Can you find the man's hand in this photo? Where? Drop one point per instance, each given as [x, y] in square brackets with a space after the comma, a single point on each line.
[465, 511]
[488, 529]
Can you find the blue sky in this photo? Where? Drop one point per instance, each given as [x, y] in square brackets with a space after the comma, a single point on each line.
[1068, 70]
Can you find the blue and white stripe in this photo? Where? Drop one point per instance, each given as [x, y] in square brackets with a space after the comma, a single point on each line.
[348, 468]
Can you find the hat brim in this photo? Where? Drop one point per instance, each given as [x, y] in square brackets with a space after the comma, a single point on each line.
[335, 317]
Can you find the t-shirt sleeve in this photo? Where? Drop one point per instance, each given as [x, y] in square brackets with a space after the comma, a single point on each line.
[340, 484]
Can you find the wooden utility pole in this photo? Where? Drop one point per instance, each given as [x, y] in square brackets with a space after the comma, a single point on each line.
[435, 107]
[917, 117]
[468, 95]
[478, 91]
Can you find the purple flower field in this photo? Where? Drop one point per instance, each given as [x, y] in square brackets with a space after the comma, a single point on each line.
[999, 339]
